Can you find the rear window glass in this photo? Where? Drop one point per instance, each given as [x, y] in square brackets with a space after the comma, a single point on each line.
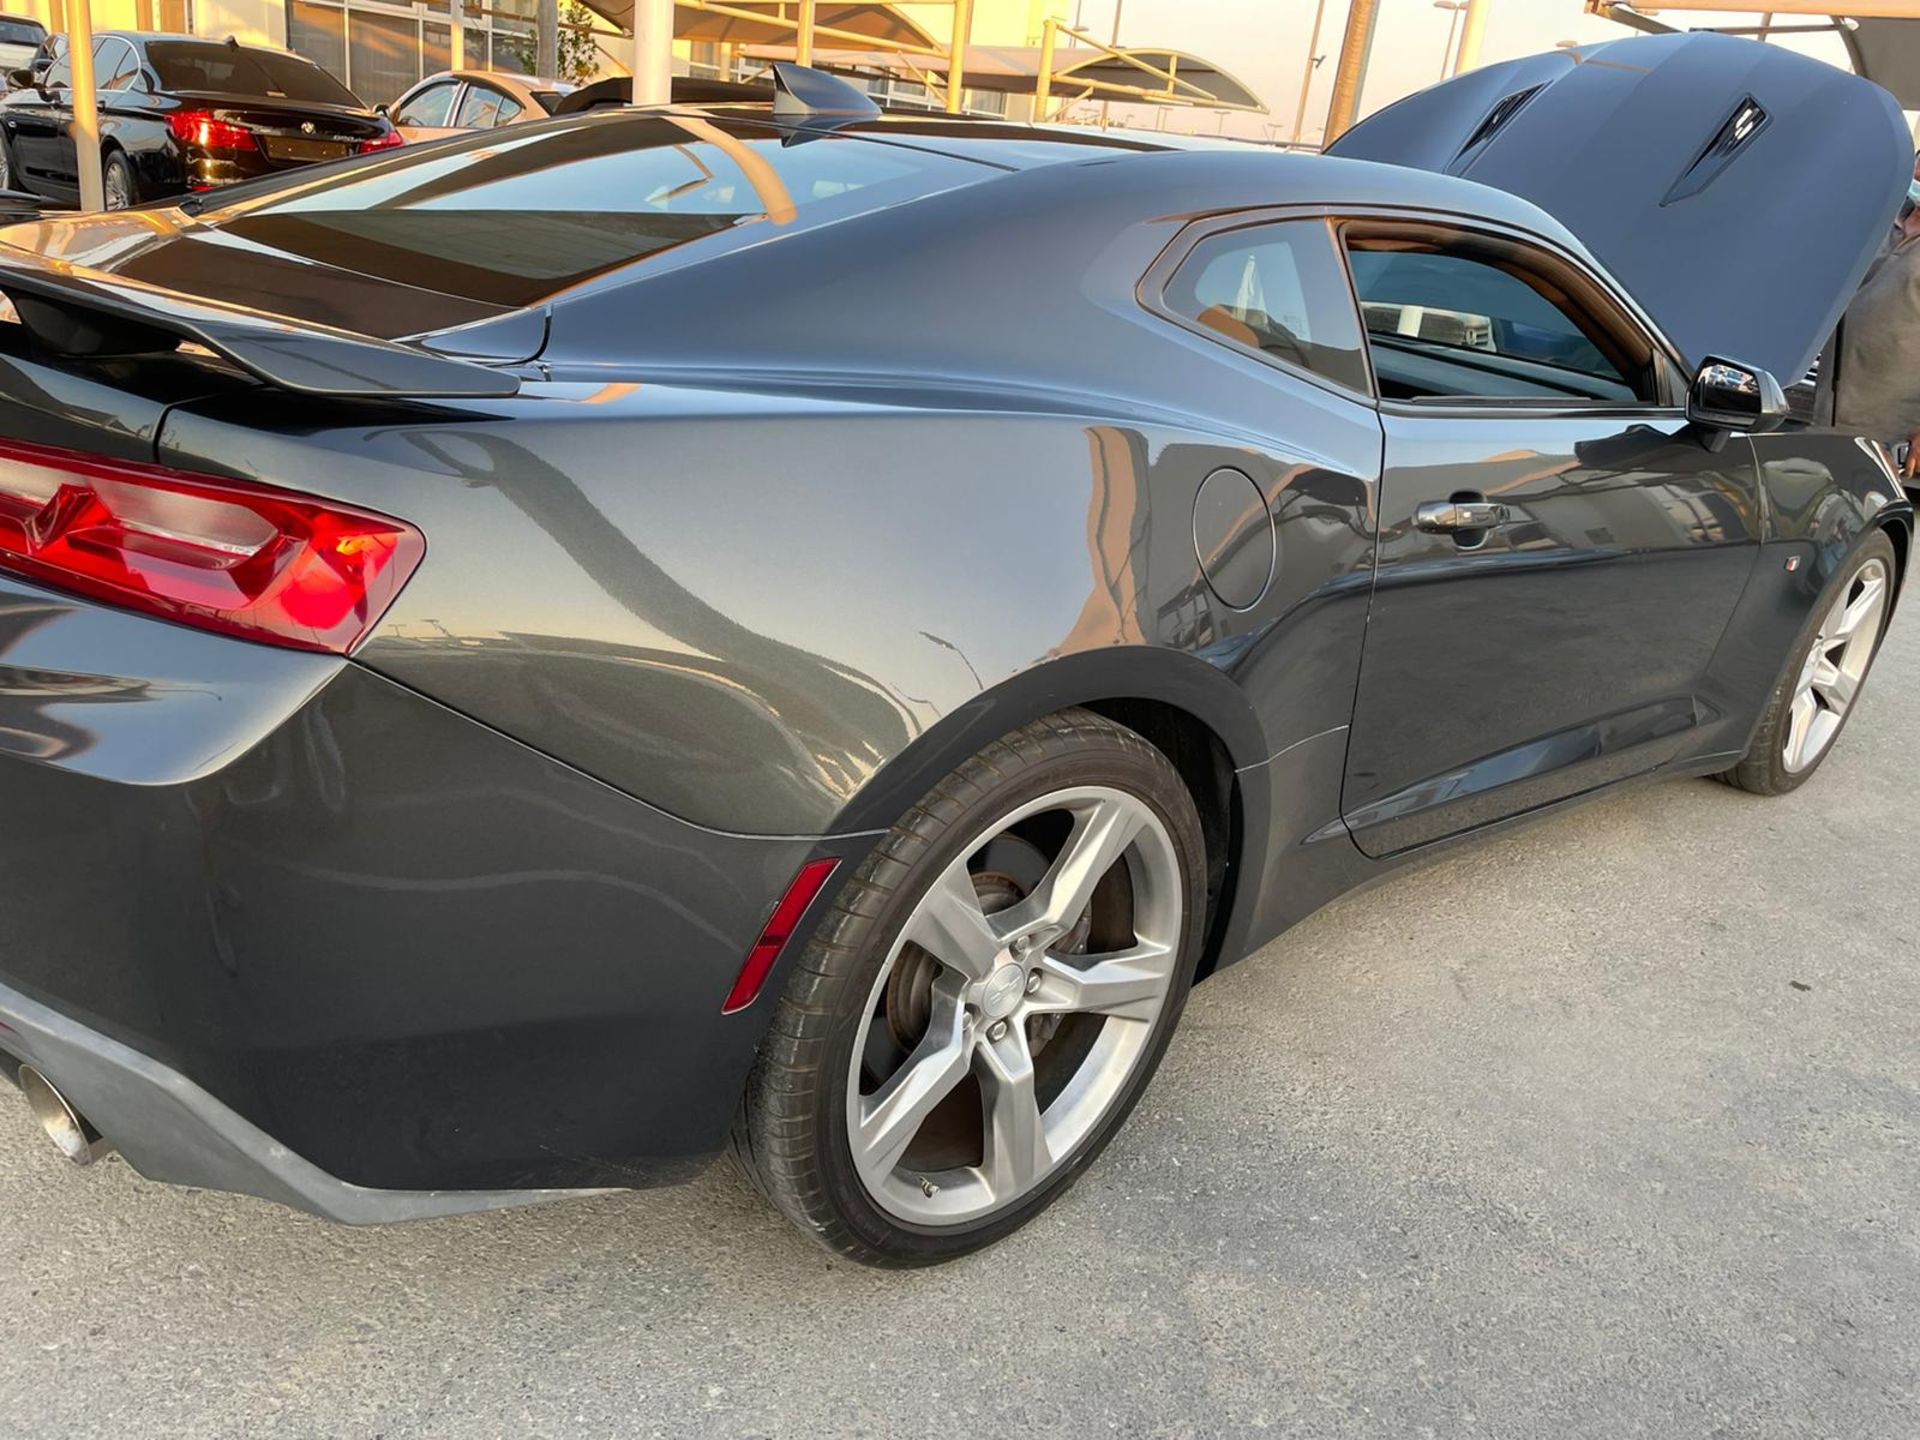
[229, 70]
[20, 32]
[514, 215]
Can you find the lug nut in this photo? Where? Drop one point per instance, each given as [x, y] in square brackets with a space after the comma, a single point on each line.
[1033, 982]
[997, 1030]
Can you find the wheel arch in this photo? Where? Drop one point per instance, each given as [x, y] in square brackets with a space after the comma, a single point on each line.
[1201, 758]
[110, 147]
[1899, 530]
[1187, 709]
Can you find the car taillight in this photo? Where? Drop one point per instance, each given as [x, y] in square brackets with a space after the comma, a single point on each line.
[200, 127]
[382, 142]
[221, 555]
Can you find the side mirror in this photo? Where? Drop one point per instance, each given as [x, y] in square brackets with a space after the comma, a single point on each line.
[21, 79]
[1727, 395]
[381, 110]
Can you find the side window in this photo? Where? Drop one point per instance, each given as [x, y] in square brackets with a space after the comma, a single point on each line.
[1276, 290]
[114, 65]
[429, 107]
[59, 75]
[484, 107]
[1489, 320]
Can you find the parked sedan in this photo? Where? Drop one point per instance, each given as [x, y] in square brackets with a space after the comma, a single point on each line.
[178, 115]
[810, 640]
[457, 100]
[21, 37]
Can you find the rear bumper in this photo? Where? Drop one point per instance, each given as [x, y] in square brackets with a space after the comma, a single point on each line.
[172, 1130]
[280, 925]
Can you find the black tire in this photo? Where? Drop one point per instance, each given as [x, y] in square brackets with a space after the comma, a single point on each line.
[117, 177]
[791, 1136]
[1763, 769]
[7, 182]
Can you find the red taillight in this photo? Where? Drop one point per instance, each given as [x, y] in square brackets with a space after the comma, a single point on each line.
[200, 127]
[786, 915]
[216, 554]
[382, 142]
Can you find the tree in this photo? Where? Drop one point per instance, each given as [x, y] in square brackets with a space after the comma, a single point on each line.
[577, 56]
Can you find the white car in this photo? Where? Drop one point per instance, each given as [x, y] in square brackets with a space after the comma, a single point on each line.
[457, 100]
[20, 40]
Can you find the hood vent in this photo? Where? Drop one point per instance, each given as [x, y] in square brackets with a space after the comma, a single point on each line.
[1748, 119]
[1503, 110]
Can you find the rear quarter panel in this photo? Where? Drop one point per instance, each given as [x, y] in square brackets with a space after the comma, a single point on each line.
[744, 608]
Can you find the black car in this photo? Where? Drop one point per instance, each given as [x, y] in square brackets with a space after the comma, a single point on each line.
[179, 115]
[532, 661]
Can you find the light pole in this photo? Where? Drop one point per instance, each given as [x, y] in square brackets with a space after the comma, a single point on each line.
[1453, 25]
[652, 52]
[85, 127]
[1350, 75]
[1119, 9]
[1470, 33]
[1313, 64]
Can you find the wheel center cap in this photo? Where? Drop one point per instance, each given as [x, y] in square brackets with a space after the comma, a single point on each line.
[1002, 992]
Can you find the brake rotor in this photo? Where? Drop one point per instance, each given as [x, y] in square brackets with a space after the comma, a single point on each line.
[1009, 869]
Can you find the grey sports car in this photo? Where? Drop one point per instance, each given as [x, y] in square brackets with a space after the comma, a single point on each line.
[530, 662]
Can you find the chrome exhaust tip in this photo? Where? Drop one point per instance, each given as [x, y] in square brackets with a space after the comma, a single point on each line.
[66, 1127]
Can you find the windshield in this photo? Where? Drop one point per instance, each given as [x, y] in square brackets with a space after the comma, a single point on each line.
[509, 217]
[230, 70]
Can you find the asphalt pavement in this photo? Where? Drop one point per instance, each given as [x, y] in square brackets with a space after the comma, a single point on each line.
[1606, 1127]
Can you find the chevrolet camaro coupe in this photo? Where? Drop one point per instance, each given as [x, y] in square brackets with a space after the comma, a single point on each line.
[528, 663]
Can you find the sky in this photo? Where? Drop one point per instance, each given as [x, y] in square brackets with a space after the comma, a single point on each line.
[1264, 43]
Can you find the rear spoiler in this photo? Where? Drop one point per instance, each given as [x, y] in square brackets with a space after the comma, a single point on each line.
[88, 313]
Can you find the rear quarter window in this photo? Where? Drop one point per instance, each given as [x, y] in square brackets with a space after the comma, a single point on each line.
[1278, 291]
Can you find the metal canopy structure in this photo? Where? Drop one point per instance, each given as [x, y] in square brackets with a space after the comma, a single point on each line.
[1143, 74]
[1881, 36]
[770, 22]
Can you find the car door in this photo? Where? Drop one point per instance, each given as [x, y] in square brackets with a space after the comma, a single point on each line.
[36, 123]
[484, 107]
[119, 86]
[1558, 553]
[427, 114]
[112, 60]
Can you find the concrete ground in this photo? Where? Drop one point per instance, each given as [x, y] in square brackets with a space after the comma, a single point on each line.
[1605, 1128]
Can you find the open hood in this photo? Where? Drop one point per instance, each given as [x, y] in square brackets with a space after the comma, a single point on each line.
[1737, 189]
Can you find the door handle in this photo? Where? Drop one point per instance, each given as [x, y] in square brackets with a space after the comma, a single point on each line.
[1460, 515]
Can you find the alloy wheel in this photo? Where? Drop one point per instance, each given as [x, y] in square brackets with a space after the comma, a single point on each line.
[118, 188]
[1017, 1001]
[1836, 666]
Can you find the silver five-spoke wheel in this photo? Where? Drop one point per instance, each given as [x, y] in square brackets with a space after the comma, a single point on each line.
[987, 994]
[1015, 1004]
[1835, 667]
